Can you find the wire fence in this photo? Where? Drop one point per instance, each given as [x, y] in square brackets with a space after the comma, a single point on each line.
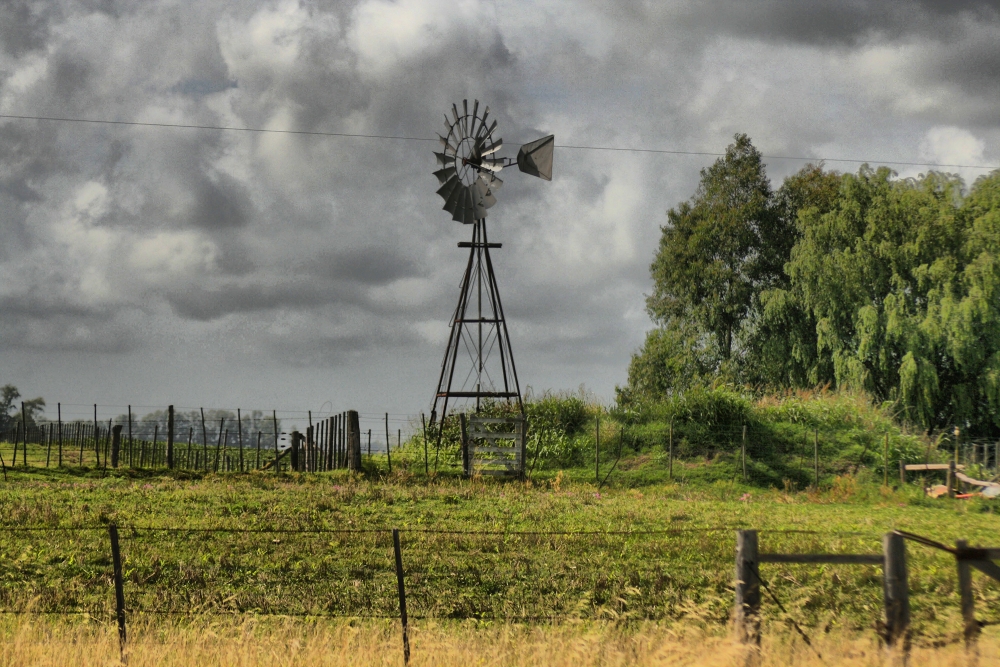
[494, 575]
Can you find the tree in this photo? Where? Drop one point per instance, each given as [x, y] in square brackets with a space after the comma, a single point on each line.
[11, 411]
[720, 249]
[8, 403]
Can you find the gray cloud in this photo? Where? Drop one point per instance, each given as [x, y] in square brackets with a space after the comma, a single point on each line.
[196, 247]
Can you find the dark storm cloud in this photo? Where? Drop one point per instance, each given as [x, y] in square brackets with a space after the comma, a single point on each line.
[320, 249]
[24, 26]
[834, 22]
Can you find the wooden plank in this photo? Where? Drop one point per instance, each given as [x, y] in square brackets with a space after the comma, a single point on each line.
[931, 466]
[494, 420]
[988, 568]
[509, 465]
[495, 449]
[832, 559]
[493, 436]
[974, 482]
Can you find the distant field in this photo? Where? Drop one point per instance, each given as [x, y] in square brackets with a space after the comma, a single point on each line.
[496, 552]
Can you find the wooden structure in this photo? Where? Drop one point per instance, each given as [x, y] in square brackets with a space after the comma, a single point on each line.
[895, 584]
[493, 445]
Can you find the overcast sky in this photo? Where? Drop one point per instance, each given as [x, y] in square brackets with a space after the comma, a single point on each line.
[232, 269]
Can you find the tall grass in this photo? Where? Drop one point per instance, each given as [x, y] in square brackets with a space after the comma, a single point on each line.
[248, 644]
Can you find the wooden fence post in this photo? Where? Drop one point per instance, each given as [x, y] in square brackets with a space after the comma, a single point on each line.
[747, 610]
[353, 441]
[816, 455]
[24, 432]
[423, 423]
[388, 454]
[116, 444]
[743, 454]
[116, 560]
[597, 447]
[951, 478]
[971, 627]
[670, 454]
[902, 473]
[896, 592]
[170, 437]
[402, 593]
[466, 458]
[59, 409]
[274, 416]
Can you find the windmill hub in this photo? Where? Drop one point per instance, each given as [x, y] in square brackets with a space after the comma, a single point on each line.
[478, 363]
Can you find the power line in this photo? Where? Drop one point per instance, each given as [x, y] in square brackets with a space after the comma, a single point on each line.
[564, 146]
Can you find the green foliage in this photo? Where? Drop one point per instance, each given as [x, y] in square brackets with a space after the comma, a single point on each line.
[859, 281]
[718, 249]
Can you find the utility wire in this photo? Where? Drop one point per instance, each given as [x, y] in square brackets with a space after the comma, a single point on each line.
[565, 146]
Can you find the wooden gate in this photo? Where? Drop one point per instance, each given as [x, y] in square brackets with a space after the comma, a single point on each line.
[493, 445]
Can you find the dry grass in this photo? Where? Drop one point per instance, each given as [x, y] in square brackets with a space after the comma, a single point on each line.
[290, 643]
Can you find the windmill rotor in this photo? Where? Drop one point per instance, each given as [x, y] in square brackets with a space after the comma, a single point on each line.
[469, 165]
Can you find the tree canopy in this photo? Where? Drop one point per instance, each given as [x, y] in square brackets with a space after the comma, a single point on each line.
[862, 281]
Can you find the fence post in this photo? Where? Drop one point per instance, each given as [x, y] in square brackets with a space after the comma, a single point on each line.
[597, 447]
[59, 413]
[747, 610]
[951, 478]
[116, 559]
[24, 432]
[816, 455]
[402, 595]
[896, 592]
[902, 473]
[170, 437]
[466, 459]
[743, 454]
[388, 454]
[971, 627]
[294, 453]
[353, 441]
[670, 455]
[423, 423]
[116, 444]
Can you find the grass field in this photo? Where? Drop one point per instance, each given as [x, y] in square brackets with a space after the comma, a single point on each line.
[471, 549]
[265, 568]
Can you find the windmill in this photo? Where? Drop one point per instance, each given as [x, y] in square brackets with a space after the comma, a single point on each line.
[478, 362]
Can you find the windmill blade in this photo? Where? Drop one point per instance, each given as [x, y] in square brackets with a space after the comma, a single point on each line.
[454, 112]
[475, 114]
[489, 200]
[465, 116]
[444, 160]
[486, 112]
[535, 158]
[494, 164]
[452, 202]
[444, 174]
[478, 205]
[448, 189]
[489, 132]
[493, 148]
